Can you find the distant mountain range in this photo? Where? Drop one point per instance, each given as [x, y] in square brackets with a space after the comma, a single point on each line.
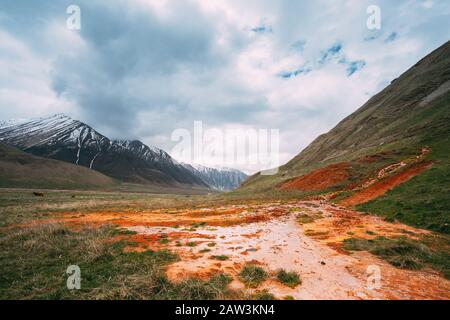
[61, 138]
[223, 179]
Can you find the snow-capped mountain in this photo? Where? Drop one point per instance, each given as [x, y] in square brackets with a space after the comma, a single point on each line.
[223, 179]
[145, 152]
[39, 136]
[62, 138]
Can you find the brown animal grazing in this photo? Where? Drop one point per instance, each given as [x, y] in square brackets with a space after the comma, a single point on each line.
[38, 194]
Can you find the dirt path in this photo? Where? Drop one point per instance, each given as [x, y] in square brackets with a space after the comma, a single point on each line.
[270, 235]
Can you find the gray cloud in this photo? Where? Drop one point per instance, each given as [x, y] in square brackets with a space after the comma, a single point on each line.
[130, 45]
[140, 71]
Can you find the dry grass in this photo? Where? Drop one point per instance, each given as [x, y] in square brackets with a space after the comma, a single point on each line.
[34, 260]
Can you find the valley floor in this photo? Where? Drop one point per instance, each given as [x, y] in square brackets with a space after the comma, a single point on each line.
[313, 239]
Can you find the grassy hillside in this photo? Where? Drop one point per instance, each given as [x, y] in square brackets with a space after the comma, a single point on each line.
[411, 114]
[22, 170]
[423, 201]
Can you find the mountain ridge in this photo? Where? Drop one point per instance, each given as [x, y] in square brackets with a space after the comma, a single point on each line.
[62, 138]
[222, 179]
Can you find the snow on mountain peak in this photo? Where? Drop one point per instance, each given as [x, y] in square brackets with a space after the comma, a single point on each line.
[62, 138]
[145, 152]
[223, 179]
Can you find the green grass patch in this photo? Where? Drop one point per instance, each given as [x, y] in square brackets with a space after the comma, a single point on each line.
[198, 224]
[291, 279]
[252, 275]
[423, 201]
[309, 217]
[34, 261]
[220, 257]
[196, 289]
[403, 253]
[125, 232]
[263, 295]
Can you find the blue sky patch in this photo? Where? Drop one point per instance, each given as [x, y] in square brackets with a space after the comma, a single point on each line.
[294, 73]
[331, 52]
[391, 37]
[354, 66]
[372, 36]
[299, 45]
[262, 29]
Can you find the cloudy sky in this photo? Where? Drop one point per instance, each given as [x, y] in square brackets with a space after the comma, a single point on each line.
[144, 68]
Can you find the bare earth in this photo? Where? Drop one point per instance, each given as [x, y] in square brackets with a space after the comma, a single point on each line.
[269, 234]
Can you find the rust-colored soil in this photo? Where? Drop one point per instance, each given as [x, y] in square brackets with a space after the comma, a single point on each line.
[345, 223]
[270, 235]
[182, 217]
[382, 186]
[370, 158]
[319, 179]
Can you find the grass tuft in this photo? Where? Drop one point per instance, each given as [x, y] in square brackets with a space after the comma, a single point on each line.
[220, 257]
[263, 295]
[291, 279]
[196, 289]
[403, 253]
[308, 217]
[252, 275]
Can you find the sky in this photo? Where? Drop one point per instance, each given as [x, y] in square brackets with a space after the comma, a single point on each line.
[143, 69]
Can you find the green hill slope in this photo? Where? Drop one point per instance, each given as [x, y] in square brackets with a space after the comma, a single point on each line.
[22, 170]
[388, 132]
